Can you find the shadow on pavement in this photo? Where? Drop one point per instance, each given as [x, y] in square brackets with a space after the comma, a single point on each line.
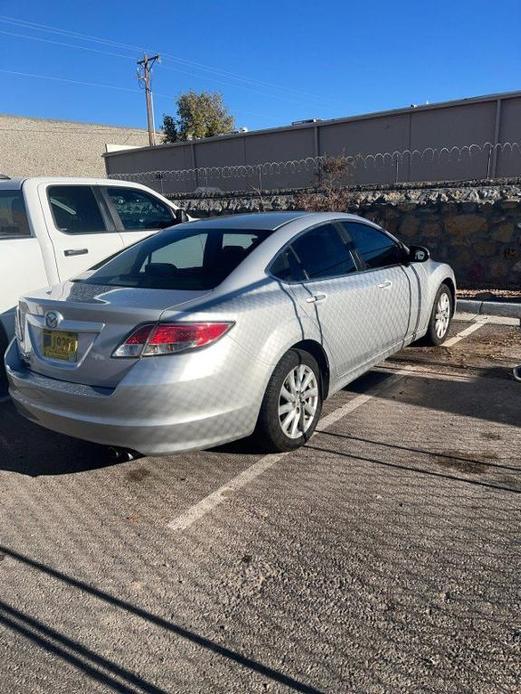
[80, 657]
[35, 630]
[466, 464]
[31, 450]
[407, 468]
[482, 396]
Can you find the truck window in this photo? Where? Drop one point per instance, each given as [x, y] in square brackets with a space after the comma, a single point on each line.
[13, 217]
[75, 209]
[139, 211]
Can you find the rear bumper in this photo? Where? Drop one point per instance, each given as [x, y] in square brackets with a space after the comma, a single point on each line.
[150, 418]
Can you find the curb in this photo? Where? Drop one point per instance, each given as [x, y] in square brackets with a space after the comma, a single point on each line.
[490, 308]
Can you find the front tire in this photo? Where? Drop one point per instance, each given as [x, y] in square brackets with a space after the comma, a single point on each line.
[441, 317]
[292, 403]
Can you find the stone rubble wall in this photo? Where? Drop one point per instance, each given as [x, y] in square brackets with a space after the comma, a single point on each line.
[475, 226]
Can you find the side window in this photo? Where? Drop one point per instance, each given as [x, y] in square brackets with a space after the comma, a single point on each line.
[13, 217]
[375, 248]
[322, 253]
[286, 267]
[139, 211]
[75, 209]
[242, 240]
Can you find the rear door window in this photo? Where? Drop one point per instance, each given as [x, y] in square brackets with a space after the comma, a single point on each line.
[13, 217]
[139, 211]
[322, 253]
[375, 248]
[286, 267]
[75, 209]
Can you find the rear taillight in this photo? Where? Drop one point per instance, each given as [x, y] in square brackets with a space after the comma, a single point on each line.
[170, 338]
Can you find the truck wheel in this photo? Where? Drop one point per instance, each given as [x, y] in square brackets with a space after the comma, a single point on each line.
[3, 378]
[292, 403]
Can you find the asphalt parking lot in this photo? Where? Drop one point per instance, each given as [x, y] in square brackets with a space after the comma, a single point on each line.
[382, 557]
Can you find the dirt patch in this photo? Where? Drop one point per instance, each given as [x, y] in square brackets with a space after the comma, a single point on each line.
[454, 460]
[138, 475]
[490, 436]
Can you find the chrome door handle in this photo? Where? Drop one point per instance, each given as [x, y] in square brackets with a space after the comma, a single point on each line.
[385, 285]
[75, 251]
[316, 298]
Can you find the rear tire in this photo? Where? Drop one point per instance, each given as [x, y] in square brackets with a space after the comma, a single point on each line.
[292, 403]
[441, 317]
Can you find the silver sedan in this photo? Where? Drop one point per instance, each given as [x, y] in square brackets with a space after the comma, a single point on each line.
[220, 328]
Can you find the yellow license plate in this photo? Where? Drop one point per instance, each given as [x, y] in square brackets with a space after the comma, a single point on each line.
[58, 344]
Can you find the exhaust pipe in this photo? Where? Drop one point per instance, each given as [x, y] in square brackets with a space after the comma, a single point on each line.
[123, 455]
[517, 373]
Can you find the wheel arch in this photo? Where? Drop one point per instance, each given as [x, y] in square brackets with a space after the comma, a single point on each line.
[318, 352]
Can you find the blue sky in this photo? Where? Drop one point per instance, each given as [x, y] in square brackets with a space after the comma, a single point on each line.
[273, 61]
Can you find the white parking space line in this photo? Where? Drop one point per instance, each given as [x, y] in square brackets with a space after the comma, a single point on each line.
[196, 512]
[464, 333]
[185, 520]
[193, 514]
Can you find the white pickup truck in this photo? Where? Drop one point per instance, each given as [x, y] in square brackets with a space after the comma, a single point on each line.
[54, 228]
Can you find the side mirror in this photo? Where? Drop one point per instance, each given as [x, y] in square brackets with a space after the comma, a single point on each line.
[419, 254]
[181, 216]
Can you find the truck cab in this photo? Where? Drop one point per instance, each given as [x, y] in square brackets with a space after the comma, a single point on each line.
[52, 229]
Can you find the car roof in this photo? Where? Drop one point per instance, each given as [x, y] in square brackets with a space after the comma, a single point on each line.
[266, 221]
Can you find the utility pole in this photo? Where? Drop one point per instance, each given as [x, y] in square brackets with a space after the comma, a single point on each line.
[144, 75]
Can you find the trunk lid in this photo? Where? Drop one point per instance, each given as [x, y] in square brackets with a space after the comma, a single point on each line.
[90, 322]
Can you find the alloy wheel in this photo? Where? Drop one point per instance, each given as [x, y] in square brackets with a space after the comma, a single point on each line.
[442, 318]
[298, 401]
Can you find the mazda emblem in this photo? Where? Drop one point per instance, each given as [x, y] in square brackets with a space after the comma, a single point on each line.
[52, 319]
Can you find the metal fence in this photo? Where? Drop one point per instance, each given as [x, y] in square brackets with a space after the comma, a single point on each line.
[350, 169]
[466, 139]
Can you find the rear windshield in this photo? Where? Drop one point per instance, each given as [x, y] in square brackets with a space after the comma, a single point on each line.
[194, 258]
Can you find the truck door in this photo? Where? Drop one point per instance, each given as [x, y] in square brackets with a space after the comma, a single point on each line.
[137, 214]
[21, 262]
[81, 230]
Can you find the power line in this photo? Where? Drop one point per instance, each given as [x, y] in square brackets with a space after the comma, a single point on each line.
[67, 45]
[64, 79]
[127, 57]
[200, 66]
[230, 84]
[96, 84]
